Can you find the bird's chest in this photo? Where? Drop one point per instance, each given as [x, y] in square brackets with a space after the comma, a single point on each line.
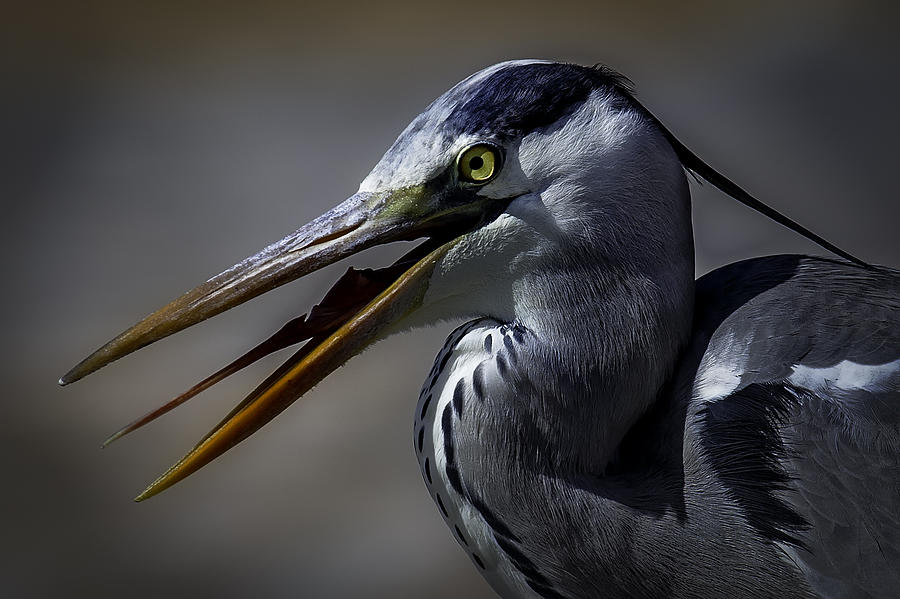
[440, 424]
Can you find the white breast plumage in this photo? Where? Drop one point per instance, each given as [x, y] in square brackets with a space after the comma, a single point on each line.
[438, 412]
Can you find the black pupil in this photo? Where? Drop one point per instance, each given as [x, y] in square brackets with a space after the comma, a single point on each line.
[476, 163]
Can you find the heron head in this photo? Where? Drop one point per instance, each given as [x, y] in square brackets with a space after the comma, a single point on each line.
[550, 163]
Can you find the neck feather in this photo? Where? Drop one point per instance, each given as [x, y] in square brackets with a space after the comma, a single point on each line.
[602, 353]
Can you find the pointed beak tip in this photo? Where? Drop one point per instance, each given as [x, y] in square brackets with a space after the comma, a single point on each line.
[147, 493]
[75, 374]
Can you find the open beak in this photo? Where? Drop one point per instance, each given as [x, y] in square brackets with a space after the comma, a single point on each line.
[355, 313]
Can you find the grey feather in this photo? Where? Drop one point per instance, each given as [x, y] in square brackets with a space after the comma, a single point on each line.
[622, 431]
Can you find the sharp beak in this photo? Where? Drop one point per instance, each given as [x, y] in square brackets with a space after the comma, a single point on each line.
[354, 314]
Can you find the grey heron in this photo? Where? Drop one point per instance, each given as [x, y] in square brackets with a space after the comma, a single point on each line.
[602, 424]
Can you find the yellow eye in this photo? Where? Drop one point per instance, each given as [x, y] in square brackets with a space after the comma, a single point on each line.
[478, 163]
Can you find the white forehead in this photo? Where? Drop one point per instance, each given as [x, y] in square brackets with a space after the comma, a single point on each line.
[425, 147]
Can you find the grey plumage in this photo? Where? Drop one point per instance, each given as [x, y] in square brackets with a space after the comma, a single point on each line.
[839, 435]
[690, 494]
[606, 426]
[772, 490]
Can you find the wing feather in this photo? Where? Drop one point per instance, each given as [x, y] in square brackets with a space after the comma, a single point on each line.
[821, 338]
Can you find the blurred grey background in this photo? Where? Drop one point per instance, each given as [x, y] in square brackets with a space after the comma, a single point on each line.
[147, 146]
